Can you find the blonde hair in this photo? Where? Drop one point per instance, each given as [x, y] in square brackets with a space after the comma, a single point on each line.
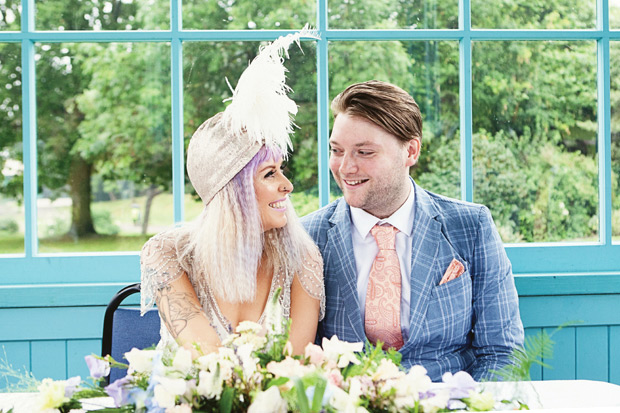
[226, 243]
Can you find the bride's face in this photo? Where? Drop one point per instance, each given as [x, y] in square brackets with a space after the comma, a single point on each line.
[272, 189]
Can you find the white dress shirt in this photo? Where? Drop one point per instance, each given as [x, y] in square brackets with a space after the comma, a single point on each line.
[365, 250]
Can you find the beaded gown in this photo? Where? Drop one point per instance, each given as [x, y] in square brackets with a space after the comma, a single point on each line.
[160, 266]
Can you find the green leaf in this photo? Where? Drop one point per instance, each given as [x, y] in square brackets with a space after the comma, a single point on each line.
[226, 401]
[302, 399]
[319, 391]
[277, 382]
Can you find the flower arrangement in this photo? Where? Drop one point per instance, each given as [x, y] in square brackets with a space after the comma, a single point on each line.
[255, 371]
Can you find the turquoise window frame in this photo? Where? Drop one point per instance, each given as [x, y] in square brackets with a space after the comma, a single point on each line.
[597, 261]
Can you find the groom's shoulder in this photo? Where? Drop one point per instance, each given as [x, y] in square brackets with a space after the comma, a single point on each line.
[319, 219]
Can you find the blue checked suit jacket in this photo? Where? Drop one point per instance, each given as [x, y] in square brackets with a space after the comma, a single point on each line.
[471, 323]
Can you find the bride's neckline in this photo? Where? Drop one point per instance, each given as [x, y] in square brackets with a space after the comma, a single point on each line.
[226, 324]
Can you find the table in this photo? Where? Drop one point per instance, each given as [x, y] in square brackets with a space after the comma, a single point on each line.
[553, 396]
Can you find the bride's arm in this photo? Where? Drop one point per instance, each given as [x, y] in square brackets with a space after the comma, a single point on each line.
[183, 316]
[307, 297]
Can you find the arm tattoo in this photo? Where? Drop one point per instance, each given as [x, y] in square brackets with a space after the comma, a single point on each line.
[176, 309]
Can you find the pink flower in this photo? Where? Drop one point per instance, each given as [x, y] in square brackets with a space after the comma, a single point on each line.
[335, 377]
[314, 353]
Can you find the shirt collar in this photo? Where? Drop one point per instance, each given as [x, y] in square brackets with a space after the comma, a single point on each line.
[402, 218]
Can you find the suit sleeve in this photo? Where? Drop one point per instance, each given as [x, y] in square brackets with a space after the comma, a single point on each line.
[497, 327]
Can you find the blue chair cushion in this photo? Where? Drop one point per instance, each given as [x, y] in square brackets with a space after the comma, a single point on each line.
[131, 330]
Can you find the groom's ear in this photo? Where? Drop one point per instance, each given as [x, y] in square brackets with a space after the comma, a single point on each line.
[413, 151]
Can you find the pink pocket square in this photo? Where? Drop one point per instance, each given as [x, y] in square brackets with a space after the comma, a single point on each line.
[455, 269]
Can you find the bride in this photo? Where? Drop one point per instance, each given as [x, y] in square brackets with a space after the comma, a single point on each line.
[223, 268]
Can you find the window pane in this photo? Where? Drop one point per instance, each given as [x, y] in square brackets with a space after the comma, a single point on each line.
[104, 145]
[429, 72]
[248, 14]
[10, 15]
[614, 93]
[11, 155]
[614, 14]
[528, 14]
[393, 14]
[206, 67]
[102, 14]
[534, 142]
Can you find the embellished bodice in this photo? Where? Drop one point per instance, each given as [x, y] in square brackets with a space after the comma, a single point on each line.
[160, 266]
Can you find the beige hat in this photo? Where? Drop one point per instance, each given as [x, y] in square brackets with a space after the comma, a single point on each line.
[260, 114]
[215, 155]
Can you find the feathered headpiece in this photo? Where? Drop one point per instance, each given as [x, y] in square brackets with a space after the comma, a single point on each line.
[261, 113]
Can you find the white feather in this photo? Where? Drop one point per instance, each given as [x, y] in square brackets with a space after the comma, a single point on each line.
[260, 103]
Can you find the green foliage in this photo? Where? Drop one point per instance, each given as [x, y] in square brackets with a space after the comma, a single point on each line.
[9, 225]
[107, 105]
[16, 380]
[103, 223]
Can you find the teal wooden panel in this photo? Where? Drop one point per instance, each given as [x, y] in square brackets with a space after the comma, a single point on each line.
[536, 370]
[614, 354]
[562, 364]
[76, 351]
[17, 355]
[56, 323]
[567, 284]
[592, 353]
[59, 295]
[49, 359]
[591, 310]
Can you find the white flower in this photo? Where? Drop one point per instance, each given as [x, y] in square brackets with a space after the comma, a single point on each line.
[167, 389]
[182, 361]
[51, 394]
[341, 351]
[182, 408]
[248, 362]
[140, 361]
[387, 370]
[413, 383]
[437, 402]
[481, 401]
[270, 397]
[314, 353]
[245, 327]
[209, 385]
[342, 401]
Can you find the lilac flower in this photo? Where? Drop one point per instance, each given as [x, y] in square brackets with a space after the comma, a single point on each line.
[460, 384]
[71, 385]
[118, 391]
[98, 368]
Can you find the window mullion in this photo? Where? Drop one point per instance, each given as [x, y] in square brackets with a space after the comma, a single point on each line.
[604, 124]
[322, 103]
[465, 98]
[29, 129]
[176, 94]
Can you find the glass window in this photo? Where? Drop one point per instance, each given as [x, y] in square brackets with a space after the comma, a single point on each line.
[614, 14]
[206, 68]
[429, 71]
[10, 15]
[102, 14]
[528, 14]
[534, 138]
[614, 94]
[248, 14]
[11, 155]
[105, 168]
[393, 14]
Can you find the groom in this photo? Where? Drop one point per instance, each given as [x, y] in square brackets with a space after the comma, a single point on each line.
[420, 272]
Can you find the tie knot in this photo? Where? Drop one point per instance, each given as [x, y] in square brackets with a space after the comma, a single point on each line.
[385, 236]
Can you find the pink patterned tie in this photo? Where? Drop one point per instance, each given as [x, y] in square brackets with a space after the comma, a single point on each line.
[383, 294]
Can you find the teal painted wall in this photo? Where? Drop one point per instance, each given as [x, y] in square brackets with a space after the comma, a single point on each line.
[48, 329]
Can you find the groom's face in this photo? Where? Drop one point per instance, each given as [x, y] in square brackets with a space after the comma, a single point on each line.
[370, 165]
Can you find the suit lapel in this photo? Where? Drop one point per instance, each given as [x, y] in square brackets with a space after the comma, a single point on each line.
[342, 260]
[426, 235]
